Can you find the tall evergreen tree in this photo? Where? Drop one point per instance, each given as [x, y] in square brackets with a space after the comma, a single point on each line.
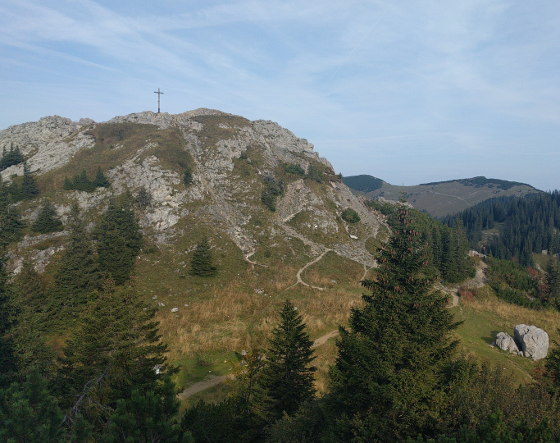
[118, 241]
[47, 219]
[11, 224]
[387, 383]
[287, 375]
[100, 181]
[201, 262]
[143, 198]
[8, 359]
[78, 274]
[113, 352]
[29, 188]
[30, 298]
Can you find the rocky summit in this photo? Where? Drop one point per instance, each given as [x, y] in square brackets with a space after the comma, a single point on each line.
[232, 163]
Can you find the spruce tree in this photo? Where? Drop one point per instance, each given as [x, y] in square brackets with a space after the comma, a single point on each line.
[29, 188]
[30, 298]
[118, 241]
[187, 177]
[112, 353]
[47, 220]
[287, 376]
[201, 262]
[143, 198]
[388, 379]
[78, 274]
[100, 181]
[8, 312]
[11, 225]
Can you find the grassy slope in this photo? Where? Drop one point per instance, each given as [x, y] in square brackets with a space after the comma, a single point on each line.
[483, 317]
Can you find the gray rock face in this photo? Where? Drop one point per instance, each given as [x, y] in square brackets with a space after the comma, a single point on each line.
[506, 342]
[533, 341]
[229, 156]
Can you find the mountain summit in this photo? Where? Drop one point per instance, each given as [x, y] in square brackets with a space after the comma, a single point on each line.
[252, 187]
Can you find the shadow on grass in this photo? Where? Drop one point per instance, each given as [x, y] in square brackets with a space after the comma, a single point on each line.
[491, 339]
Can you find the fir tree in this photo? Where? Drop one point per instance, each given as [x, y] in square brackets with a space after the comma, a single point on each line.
[287, 376]
[201, 262]
[118, 241]
[47, 220]
[388, 378]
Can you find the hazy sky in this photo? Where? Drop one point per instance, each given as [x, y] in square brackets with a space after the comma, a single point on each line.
[409, 91]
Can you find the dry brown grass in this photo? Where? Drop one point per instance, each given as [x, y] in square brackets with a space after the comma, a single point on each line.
[234, 318]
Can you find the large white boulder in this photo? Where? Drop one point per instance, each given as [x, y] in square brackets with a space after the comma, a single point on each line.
[533, 341]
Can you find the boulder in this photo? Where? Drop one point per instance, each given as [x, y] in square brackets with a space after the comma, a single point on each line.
[506, 342]
[532, 341]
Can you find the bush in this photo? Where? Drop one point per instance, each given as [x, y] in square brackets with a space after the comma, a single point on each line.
[272, 189]
[350, 216]
[294, 168]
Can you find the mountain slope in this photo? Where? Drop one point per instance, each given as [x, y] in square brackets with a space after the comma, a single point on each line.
[262, 255]
[440, 198]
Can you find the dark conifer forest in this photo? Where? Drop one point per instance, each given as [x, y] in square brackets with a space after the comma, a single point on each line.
[514, 228]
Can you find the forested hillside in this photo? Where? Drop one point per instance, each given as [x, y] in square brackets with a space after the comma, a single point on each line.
[514, 228]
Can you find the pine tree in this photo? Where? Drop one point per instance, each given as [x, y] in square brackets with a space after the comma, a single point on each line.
[112, 353]
[29, 188]
[47, 220]
[118, 241]
[78, 274]
[388, 379]
[287, 376]
[201, 262]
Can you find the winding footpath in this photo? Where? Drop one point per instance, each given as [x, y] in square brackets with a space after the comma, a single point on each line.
[303, 268]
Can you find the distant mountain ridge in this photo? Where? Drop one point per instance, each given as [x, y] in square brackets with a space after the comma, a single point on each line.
[440, 198]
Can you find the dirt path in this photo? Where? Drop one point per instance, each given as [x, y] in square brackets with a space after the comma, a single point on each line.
[215, 380]
[303, 268]
[247, 258]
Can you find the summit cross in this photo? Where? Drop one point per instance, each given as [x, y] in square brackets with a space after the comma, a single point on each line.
[158, 92]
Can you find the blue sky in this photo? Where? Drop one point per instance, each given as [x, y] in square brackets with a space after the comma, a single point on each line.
[409, 91]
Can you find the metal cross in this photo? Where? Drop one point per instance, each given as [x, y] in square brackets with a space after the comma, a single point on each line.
[158, 92]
